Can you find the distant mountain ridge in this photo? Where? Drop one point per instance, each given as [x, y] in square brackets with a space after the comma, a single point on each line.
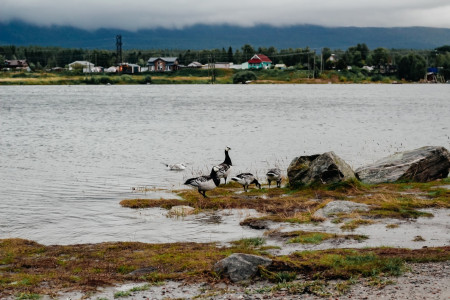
[222, 36]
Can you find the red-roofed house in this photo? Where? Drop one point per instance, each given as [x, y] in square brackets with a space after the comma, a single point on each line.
[259, 61]
[18, 64]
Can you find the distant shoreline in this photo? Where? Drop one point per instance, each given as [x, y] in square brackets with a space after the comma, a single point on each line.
[186, 77]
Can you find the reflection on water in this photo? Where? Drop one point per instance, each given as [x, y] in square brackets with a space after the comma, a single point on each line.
[69, 154]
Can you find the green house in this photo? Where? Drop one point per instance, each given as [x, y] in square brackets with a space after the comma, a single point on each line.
[259, 61]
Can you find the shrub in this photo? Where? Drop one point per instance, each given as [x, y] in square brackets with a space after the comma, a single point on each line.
[105, 80]
[146, 79]
[244, 76]
[377, 77]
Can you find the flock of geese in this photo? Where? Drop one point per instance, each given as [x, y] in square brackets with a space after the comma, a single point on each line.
[209, 182]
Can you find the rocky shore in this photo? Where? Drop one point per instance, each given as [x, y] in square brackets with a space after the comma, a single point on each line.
[335, 238]
[422, 281]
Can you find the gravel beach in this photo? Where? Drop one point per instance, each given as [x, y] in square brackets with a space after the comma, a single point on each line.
[421, 281]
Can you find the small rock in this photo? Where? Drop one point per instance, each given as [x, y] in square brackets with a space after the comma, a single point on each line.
[181, 211]
[240, 266]
[256, 224]
[143, 271]
[338, 206]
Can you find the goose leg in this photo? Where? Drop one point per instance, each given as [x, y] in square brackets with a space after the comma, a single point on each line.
[269, 183]
[279, 183]
[203, 193]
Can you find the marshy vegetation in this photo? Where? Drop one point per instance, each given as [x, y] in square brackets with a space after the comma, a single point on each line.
[393, 200]
[29, 269]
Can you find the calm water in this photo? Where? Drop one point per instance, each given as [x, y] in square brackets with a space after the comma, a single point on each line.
[69, 154]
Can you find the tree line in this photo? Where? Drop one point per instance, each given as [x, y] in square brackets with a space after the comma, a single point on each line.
[405, 63]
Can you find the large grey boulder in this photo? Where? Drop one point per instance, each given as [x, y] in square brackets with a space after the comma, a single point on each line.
[421, 165]
[240, 266]
[320, 168]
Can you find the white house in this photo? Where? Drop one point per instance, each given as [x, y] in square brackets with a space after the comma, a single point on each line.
[243, 66]
[280, 66]
[195, 64]
[111, 70]
[87, 66]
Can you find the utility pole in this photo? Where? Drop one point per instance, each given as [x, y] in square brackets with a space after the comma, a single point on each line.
[119, 49]
[212, 68]
[314, 65]
[321, 61]
[89, 64]
[209, 64]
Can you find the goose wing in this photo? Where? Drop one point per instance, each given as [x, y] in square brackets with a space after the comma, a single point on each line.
[197, 181]
[223, 169]
[247, 176]
[274, 172]
[244, 178]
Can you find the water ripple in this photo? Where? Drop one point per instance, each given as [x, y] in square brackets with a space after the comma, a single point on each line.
[70, 154]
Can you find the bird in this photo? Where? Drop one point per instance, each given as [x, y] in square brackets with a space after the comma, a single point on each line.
[246, 179]
[225, 167]
[205, 182]
[176, 167]
[274, 175]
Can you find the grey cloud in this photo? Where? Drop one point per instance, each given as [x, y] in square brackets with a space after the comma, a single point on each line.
[140, 14]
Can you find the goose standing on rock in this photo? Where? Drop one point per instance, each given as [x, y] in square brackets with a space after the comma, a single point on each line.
[274, 175]
[246, 179]
[225, 167]
[205, 183]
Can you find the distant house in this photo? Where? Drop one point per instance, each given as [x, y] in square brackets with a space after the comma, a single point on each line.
[57, 69]
[162, 64]
[219, 65]
[243, 66]
[259, 61]
[129, 68]
[195, 64]
[111, 70]
[332, 58]
[87, 66]
[17, 64]
[223, 65]
[98, 69]
[280, 66]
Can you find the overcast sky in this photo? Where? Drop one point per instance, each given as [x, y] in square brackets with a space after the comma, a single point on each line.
[141, 14]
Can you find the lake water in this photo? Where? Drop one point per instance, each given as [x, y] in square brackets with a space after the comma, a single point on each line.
[69, 154]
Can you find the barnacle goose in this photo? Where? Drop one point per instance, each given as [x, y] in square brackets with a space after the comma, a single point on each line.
[225, 167]
[205, 183]
[274, 175]
[246, 179]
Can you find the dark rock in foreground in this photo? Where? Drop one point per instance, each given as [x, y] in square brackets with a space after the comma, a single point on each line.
[255, 223]
[421, 165]
[320, 168]
[239, 266]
